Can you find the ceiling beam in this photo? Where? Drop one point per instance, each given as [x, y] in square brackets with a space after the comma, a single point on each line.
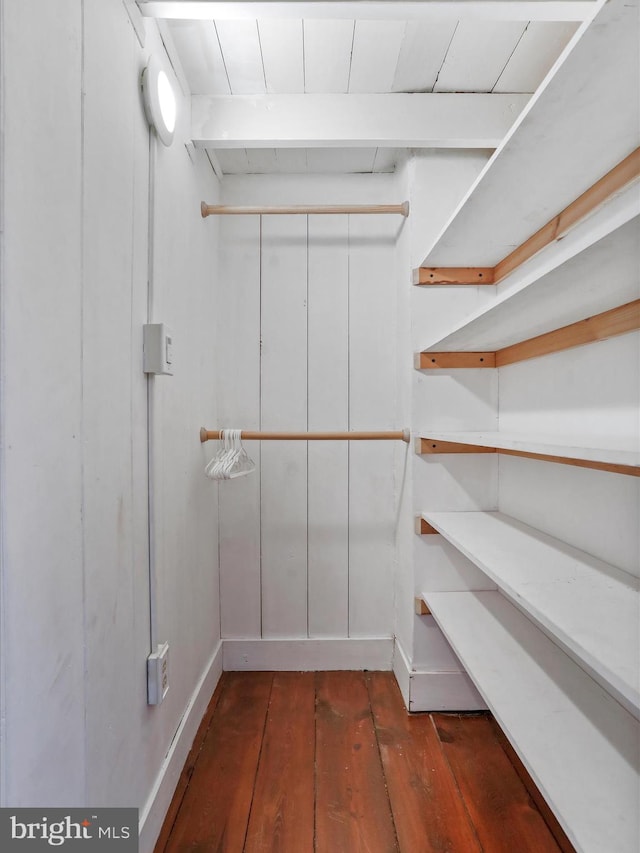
[353, 121]
[402, 10]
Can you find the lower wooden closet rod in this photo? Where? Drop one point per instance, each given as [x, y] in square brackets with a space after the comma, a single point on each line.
[227, 210]
[248, 435]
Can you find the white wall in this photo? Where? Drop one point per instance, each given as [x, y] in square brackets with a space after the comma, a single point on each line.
[450, 400]
[77, 247]
[307, 341]
[588, 393]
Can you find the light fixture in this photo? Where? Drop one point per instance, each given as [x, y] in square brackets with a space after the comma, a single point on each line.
[159, 101]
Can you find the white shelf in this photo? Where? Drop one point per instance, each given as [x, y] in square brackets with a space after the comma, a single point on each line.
[591, 609]
[575, 129]
[579, 745]
[607, 451]
[569, 293]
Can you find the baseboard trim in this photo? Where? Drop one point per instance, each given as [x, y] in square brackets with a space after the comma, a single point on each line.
[434, 691]
[402, 672]
[444, 691]
[308, 654]
[153, 813]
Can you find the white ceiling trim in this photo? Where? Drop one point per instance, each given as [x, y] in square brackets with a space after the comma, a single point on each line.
[348, 121]
[405, 10]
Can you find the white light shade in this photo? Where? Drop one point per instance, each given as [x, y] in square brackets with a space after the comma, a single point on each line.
[159, 101]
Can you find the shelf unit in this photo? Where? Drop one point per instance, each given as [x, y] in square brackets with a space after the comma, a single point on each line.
[541, 302]
[621, 457]
[600, 327]
[589, 608]
[554, 651]
[577, 742]
[568, 136]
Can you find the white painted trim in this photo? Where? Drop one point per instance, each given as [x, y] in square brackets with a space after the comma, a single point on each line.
[433, 10]
[434, 691]
[215, 163]
[373, 653]
[396, 120]
[444, 691]
[402, 672]
[174, 57]
[137, 21]
[157, 805]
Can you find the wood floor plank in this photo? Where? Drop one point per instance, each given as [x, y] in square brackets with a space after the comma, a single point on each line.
[429, 813]
[548, 816]
[502, 812]
[352, 806]
[282, 813]
[215, 810]
[187, 771]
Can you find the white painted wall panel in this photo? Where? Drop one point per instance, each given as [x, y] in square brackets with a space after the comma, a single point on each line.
[76, 596]
[541, 44]
[372, 399]
[238, 363]
[595, 511]
[327, 55]
[283, 404]
[292, 160]
[422, 53]
[261, 160]
[582, 391]
[376, 45]
[201, 57]
[240, 45]
[304, 365]
[336, 161]
[282, 55]
[184, 263]
[115, 149]
[477, 55]
[233, 160]
[43, 754]
[455, 398]
[328, 409]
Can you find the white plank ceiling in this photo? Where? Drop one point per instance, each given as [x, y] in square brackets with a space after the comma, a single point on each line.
[273, 56]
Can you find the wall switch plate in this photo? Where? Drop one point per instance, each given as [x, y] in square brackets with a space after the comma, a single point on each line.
[158, 349]
[158, 674]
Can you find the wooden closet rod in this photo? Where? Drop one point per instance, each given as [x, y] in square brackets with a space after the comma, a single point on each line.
[231, 210]
[248, 435]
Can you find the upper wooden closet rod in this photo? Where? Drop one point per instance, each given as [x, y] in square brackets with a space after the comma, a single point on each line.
[247, 435]
[227, 210]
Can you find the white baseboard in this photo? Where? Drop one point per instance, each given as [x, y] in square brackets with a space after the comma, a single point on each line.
[434, 691]
[155, 810]
[308, 655]
[402, 672]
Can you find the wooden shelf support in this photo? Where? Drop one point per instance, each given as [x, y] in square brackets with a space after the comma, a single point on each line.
[600, 327]
[453, 275]
[445, 360]
[627, 171]
[423, 527]
[426, 446]
[421, 607]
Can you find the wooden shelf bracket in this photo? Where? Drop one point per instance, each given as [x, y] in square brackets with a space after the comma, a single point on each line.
[600, 327]
[627, 171]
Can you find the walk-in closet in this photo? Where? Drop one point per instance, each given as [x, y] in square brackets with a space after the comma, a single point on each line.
[320, 425]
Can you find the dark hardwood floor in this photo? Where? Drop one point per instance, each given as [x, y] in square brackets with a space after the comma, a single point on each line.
[330, 762]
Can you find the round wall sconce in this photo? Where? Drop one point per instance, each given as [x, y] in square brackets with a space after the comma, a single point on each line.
[160, 103]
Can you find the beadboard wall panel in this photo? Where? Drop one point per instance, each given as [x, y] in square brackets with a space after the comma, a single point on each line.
[324, 351]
